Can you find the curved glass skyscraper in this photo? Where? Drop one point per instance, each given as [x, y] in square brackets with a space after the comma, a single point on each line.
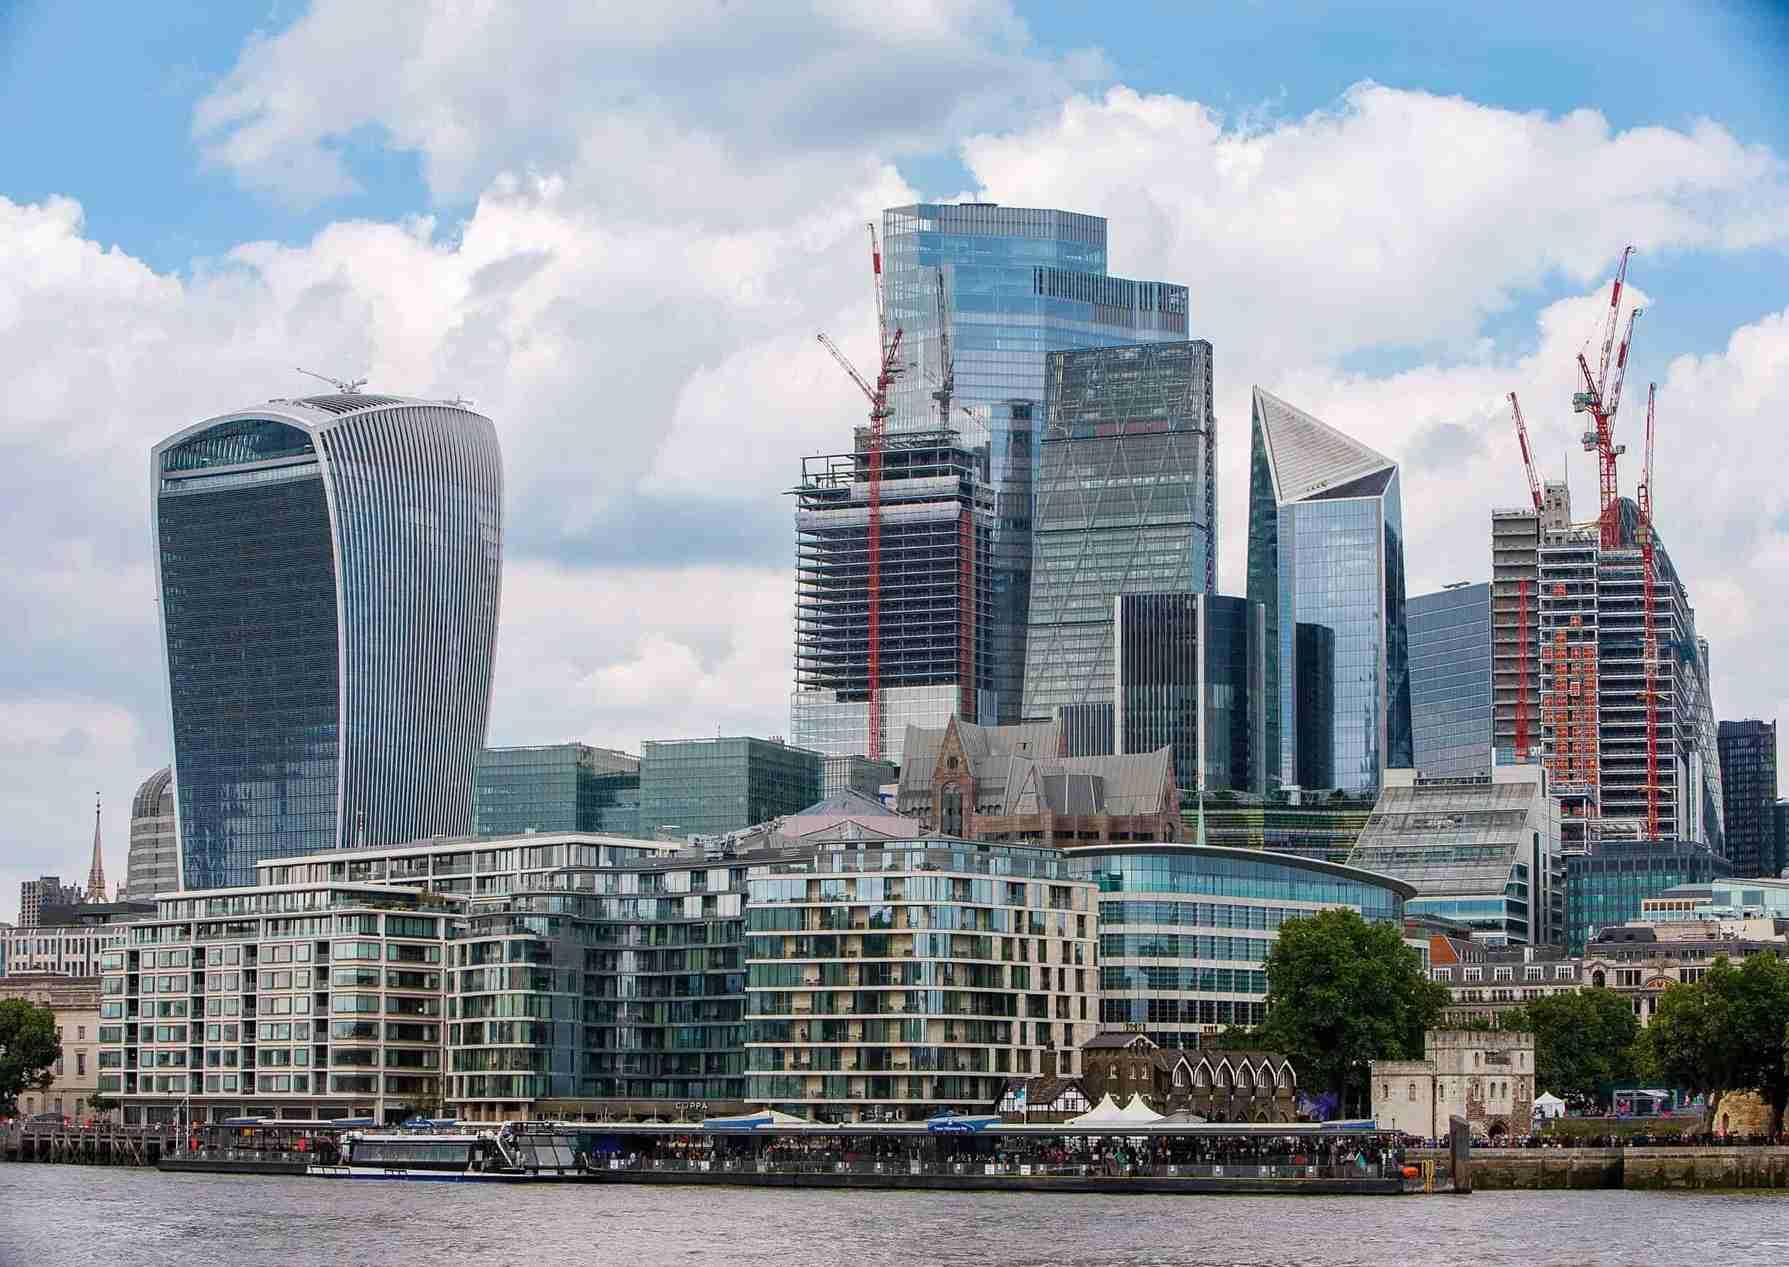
[1326, 559]
[328, 571]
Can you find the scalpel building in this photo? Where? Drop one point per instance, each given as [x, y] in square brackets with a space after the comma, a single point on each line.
[328, 573]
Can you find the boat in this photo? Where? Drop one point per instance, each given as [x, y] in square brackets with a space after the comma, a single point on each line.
[435, 1150]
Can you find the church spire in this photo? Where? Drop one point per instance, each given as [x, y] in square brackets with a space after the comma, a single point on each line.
[96, 874]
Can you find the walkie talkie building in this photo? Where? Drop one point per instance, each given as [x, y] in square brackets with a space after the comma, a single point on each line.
[328, 571]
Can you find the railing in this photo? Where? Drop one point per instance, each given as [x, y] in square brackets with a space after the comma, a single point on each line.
[1010, 1169]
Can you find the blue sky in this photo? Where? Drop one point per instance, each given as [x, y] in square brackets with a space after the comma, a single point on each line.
[639, 217]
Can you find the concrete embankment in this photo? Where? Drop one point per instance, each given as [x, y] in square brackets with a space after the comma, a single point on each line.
[1649, 1169]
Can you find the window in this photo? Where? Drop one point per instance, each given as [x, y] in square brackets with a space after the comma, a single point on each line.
[80, 1064]
[1413, 1093]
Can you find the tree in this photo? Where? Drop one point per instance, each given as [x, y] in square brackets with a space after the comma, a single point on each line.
[1583, 1040]
[1342, 992]
[1234, 1038]
[1725, 1033]
[28, 1048]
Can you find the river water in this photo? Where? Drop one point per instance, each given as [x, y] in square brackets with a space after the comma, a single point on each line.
[83, 1216]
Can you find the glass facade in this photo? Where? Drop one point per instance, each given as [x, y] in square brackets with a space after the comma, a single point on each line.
[1185, 931]
[1017, 283]
[1482, 850]
[909, 977]
[713, 786]
[1326, 557]
[1125, 505]
[1748, 752]
[253, 670]
[625, 984]
[1189, 671]
[328, 578]
[1450, 680]
[557, 787]
[1605, 887]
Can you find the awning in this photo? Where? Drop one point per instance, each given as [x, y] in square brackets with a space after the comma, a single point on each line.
[1139, 1112]
[1105, 1113]
[753, 1121]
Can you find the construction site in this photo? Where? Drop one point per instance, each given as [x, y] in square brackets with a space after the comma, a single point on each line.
[892, 567]
[1598, 672]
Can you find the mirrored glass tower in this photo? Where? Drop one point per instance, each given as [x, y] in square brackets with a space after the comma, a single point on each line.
[1125, 505]
[1326, 558]
[328, 573]
[1008, 284]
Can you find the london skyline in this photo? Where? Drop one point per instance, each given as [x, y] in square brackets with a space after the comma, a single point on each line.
[631, 292]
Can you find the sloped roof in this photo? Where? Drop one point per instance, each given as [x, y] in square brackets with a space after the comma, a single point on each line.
[983, 746]
[848, 814]
[1122, 785]
[1117, 1039]
[1311, 459]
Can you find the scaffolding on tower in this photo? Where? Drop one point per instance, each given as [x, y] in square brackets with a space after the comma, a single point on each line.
[1523, 645]
[1650, 642]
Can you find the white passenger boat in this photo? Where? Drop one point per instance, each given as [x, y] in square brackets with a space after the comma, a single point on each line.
[507, 1153]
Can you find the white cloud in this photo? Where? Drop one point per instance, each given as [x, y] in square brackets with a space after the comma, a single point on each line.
[479, 89]
[660, 225]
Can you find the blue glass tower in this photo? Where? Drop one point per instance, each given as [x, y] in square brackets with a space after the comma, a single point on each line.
[1326, 558]
[1450, 680]
[1017, 283]
[328, 570]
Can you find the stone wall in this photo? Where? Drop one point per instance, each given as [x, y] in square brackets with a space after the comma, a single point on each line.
[1643, 1169]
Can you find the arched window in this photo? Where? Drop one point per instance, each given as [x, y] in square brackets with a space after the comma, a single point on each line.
[1413, 1093]
[1596, 979]
[950, 809]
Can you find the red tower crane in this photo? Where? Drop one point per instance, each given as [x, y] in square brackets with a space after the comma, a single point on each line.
[1650, 645]
[1534, 484]
[1601, 400]
[1522, 588]
[888, 348]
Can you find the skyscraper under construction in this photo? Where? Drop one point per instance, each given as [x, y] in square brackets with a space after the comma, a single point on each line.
[1568, 635]
[980, 293]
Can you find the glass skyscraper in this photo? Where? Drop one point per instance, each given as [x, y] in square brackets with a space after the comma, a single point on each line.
[1125, 505]
[1017, 283]
[1326, 558]
[328, 572]
[1188, 673]
[1450, 680]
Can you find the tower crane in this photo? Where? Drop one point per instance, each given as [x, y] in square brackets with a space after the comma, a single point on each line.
[1601, 401]
[1534, 484]
[888, 350]
[1522, 590]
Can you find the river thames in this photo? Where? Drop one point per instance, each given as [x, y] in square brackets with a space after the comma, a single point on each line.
[75, 1216]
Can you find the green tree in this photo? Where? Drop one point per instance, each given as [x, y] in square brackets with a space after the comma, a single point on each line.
[1234, 1038]
[28, 1048]
[1342, 992]
[1725, 1033]
[1582, 1041]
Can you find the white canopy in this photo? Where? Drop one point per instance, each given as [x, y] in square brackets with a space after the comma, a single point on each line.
[1105, 1113]
[1547, 1104]
[1139, 1112]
